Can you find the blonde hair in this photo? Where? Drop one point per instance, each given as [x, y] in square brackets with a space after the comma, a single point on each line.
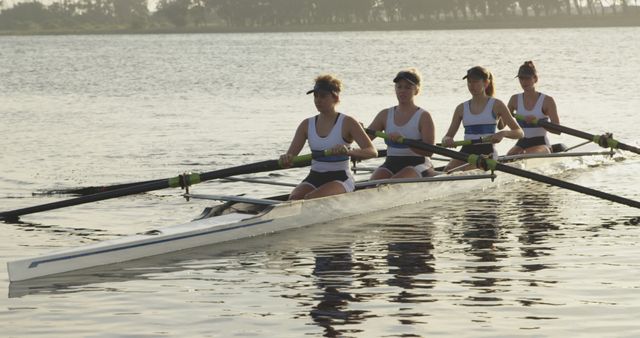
[331, 81]
[490, 90]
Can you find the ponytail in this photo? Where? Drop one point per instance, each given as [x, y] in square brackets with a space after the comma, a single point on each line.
[490, 89]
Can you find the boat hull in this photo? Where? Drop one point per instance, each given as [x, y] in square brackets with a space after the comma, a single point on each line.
[274, 218]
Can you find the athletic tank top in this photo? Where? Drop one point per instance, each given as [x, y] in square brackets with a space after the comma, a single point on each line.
[318, 145]
[479, 125]
[409, 130]
[531, 130]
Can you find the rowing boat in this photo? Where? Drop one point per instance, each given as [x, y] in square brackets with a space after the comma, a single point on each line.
[241, 217]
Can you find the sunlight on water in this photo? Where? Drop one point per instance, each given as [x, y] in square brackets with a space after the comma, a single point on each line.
[516, 259]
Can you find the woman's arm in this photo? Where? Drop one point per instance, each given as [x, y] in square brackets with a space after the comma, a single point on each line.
[379, 122]
[355, 132]
[512, 108]
[296, 145]
[447, 140]
[503, 113]
[549, 108]
[427, 132]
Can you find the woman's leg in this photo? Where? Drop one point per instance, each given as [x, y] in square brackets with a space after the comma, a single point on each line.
[301, 191]
[380, 174]
[454, 164]
[327, 189]
[515, 151]
[406, 172]
[541, 149]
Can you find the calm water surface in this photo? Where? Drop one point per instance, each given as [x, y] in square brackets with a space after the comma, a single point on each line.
[518, 260]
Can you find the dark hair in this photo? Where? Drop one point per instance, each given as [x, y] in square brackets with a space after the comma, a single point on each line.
[527, 69]
[481, 73]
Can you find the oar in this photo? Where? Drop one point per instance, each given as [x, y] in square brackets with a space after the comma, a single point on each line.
[92, 189]
[182, 180]
[491, 164]
[96, 189]
[481, 140]
[610, 142]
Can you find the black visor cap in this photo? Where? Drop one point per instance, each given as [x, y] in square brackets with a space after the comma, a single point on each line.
[407, 76]
[476, 73]
[323, 86]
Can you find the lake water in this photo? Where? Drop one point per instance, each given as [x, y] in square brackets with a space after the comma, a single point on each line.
[519, 260]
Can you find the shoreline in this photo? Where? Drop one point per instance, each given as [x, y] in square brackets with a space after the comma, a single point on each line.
[558, 21]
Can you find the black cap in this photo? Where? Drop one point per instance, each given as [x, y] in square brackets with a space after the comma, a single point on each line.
[407, 76]
[324, 86]
[478, 73]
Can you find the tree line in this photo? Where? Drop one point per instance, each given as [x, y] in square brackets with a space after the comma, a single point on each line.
[256, 14]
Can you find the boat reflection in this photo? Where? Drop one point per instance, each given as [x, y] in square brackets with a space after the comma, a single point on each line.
[107, 277]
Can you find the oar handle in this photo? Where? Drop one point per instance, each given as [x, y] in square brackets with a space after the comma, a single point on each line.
[481, 140]
[609, 142]
[461, 143]
[484, 139]
[488, 163]
[298, 160]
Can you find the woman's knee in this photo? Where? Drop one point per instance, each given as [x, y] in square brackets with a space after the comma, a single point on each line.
[407, 172]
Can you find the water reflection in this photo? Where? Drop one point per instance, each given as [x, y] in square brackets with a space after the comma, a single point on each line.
[90, 234]
[534, 213]
[409, 257]
[482, 232]
[333, 274]
[102, 278]
[400, 255]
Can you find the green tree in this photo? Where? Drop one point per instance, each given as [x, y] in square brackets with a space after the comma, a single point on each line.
[176, 12]
[24, 15]
[128, 11]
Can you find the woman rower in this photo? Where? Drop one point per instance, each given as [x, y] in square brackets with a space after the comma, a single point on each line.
[405, 120]
[533, 105]
[480, 116]
[333, 131]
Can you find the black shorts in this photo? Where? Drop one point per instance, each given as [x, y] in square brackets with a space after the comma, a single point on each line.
[396, 163]
[525, 143]
[317, 179]
[478, 149]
